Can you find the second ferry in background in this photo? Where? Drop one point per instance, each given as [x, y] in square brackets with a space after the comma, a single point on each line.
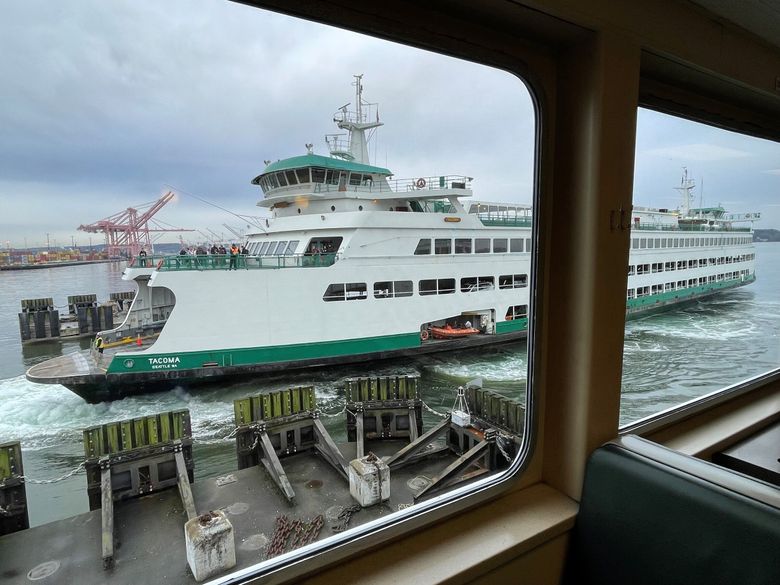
[356, 265]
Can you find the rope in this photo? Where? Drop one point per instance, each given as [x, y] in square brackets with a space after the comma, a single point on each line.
[429, 409]
[71, 473]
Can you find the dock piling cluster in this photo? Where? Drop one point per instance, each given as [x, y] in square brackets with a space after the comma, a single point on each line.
[40, 320]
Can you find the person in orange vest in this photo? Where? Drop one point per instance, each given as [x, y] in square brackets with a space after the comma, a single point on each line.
[233, 257]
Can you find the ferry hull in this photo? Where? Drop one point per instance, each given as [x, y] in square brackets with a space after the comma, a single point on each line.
[95, 388]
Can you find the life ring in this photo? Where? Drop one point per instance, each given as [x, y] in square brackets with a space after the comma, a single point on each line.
[420, 183]
[424, 335]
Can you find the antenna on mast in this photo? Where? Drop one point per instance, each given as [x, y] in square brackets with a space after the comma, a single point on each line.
[686, 187]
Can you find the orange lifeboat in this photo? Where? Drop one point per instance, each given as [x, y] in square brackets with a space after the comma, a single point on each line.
[449, 332]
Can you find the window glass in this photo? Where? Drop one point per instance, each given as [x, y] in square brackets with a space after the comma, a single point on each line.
[482, 245]
[499, 245]
[403, 288]
[423, 247]
[446, 286]
[710, 325]
[463, 245]
[428, 287]
[334, 292]
[291, 115]
[356, 290]
[443, 246]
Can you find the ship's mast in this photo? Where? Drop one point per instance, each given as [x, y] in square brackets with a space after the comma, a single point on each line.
[686, 187]
[356, 122]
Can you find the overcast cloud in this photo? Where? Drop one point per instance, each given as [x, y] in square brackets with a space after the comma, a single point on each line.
[104, 104]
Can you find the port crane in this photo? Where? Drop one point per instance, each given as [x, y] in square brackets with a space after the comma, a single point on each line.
[128, 231]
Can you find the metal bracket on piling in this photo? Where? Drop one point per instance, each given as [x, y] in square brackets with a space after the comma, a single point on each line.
[411, 452]
[183, 481]
[274, 467]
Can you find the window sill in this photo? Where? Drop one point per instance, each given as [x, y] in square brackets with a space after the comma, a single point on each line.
[463, 547]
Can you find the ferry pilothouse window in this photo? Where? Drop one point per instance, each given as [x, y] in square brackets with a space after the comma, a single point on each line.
[710, 327]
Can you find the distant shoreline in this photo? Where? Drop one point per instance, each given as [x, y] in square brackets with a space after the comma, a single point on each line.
[57, 264]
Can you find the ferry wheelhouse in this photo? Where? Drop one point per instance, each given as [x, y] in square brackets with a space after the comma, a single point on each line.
[356, 265]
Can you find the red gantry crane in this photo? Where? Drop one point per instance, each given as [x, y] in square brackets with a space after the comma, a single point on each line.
[128, 231]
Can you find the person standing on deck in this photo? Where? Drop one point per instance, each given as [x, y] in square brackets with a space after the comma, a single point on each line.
[233, 257]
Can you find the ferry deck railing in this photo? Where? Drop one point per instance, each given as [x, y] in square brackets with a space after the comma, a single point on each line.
[243, 262]
[427, 184]
[663, 227]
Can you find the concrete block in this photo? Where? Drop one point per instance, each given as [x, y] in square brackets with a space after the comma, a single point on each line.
[210, 544]
[369, 480]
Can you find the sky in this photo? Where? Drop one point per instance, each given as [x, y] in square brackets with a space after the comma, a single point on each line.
[108, 105]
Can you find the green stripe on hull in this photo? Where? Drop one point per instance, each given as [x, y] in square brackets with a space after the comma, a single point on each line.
[676, 296]
[261, 355]
[511, 326]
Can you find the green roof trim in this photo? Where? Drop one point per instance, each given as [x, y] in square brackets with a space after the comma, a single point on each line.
[327, 162]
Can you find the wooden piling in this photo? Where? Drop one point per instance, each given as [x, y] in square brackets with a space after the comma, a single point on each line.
[13, 494]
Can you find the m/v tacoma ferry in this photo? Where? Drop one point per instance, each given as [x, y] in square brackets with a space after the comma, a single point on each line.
[356, 265]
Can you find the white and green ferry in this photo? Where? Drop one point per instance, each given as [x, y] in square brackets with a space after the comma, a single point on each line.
[356, 265]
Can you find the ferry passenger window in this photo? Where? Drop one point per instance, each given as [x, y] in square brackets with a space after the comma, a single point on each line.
[390, 289]
[356, 291]
[291, 247]
[482, 245]
[427, 287]
[423, 247]
[499, 245]
[403, 288]
[707, 315]
[271, 249]
[516, 245]
[262, 248]
[446, 286]
[463, 245]
[443, 246]
[334, 292]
